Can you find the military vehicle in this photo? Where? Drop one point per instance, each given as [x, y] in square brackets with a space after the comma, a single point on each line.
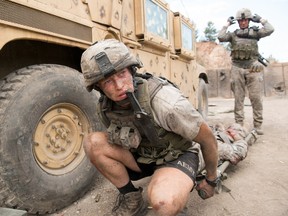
[45, 109]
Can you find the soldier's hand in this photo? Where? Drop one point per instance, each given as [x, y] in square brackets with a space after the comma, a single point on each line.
[256, 67]
[231, 20]
[256, 18]
[205, 190]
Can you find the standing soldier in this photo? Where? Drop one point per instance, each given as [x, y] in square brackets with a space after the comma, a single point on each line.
[246, 69]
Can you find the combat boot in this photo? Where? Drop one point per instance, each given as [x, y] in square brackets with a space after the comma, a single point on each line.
[239, 122]
[130, 204]
[259, 130]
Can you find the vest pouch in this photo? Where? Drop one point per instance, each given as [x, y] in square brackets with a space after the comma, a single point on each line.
[172, 155]
[113, 133]
[127, 137]
[130, 137]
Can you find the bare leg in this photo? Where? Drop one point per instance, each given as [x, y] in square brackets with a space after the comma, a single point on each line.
[169, 190]
[110, 160]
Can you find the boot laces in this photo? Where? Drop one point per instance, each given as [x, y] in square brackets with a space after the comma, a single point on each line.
[119, 201]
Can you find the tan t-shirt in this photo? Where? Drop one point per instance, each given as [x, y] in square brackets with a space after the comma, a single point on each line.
[173, 112]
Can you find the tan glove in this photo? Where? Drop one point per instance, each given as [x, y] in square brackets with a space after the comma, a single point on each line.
[256, 67]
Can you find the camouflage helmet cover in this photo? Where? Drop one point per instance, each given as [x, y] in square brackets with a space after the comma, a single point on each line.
[243, 13]
[103, 59]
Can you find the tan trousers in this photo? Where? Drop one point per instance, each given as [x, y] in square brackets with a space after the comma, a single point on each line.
[241, 78]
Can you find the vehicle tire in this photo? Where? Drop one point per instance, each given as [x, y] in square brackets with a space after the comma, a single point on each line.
[45, 110]
[203, 99]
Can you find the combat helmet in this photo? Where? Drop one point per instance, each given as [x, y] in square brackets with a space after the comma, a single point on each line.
[243, 13]
[103, 59]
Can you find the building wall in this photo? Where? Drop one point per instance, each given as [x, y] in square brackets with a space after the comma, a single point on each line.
[275, 81]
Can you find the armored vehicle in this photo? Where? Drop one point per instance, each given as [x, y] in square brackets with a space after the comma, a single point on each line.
[45, 109]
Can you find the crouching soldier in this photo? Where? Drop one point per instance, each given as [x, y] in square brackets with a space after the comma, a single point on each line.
[152, 130]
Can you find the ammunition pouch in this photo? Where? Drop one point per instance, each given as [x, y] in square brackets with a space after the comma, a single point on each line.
[149, 155]
[245, 46]
[175, 146]
[127, 137]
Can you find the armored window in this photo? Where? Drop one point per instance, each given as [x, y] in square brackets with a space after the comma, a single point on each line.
[156, 19]
[152, 24]
[184, 37]
[187, 39]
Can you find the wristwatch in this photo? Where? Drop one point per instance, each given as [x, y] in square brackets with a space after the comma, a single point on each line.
[213, 183]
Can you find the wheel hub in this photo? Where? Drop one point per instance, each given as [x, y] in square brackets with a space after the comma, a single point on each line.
[58, 138]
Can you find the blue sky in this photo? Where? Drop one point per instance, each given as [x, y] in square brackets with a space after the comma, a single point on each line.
[276, 12]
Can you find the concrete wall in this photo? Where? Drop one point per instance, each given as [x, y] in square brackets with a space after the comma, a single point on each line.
[275, 81]
[219, 83]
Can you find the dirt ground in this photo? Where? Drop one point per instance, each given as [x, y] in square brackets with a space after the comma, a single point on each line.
[258, 184]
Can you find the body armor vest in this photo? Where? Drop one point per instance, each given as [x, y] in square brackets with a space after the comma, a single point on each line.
[124, 129]
[244, 46]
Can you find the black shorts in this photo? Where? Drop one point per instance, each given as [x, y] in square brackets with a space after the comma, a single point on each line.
[187, 163]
